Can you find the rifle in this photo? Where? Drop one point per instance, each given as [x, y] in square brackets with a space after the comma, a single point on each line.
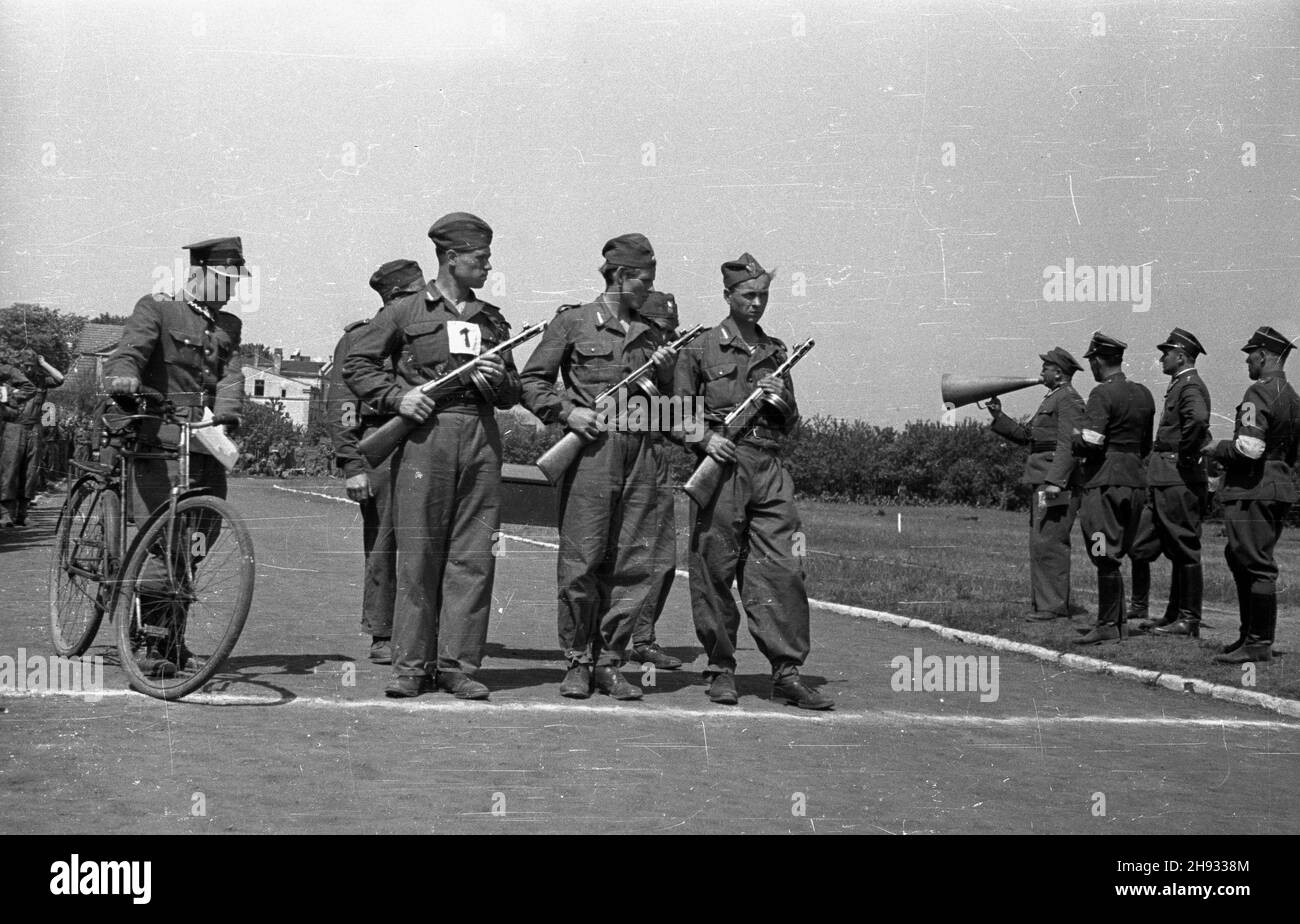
[707, 477]
[557, 460]
[378, 445]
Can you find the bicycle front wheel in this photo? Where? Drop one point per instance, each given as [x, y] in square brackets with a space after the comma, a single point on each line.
[81, 568]
[184, 596]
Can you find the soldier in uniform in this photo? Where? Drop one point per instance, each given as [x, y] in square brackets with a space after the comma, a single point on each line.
[1115, 439]
[747, 534]
[659, 310]
[16, 391]
[187, 348]
[447, 475]
[1049, 436]
[1258, 490]
[350, 421]
[1176, 494]
[24, 443]
[613, 548]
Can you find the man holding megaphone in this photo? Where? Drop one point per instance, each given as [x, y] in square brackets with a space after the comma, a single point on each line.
[1051, 474]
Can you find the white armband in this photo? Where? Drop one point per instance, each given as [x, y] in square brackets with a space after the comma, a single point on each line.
[1093, 438]
[1252, 447]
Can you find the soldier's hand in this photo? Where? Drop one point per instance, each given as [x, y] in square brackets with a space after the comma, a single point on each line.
[122, 384]
[720, 449]
[416, 405]
[583, 421]
[493, 368]
[994, 407]
[663, 358]
[358, 487]
[772, 385]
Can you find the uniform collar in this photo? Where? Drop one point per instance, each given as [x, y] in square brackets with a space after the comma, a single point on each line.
[607, 319]
[1117, 377]
[195, 306]
[731, 337]
[433, 295]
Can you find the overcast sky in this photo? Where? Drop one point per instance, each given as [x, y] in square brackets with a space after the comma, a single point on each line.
[329, 136]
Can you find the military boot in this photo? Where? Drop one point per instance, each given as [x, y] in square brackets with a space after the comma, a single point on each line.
[1243, 608]
[577, 681]
[1188, 588]
[1258, 644]
[1110, 610]
[1171, 608]
[610, 681]
[1137, 606]
[790, 688]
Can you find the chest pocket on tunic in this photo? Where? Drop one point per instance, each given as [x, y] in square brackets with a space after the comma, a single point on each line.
[426, 344]
[182, 348]
[593, 363]
[721, 385]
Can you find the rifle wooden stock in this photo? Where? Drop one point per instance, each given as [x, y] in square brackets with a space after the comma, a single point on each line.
[557, 460]
[704, 482]
[379, 445]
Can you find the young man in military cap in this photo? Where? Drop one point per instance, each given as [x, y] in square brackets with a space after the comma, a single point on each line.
[1176, 494]
[16, 393]
[613, 549]
[187, 348]
[447, 475]
[659, 310]
[1049, 436]
[747, 533]
[1113, 444]
[350, 421]
[1258, 490]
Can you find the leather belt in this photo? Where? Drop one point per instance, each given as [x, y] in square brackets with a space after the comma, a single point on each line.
[1124, 447]
[1042, 446]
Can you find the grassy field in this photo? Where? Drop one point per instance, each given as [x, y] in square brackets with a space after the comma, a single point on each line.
[969, 569]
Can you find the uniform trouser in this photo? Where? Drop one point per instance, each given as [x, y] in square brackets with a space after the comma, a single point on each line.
[379, 543]
[664, 542]
[153, 483]
[20, 462]
[1049, 553]
[613, 548]
[748, 533]
[446, 513]
[1109, 518]
[1253, 527]
[1170, 525]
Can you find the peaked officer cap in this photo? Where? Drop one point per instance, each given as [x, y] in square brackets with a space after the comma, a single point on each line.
[1103, 345]
[1061, 359]
[1182, 340]
[219, 252]
[1269, 339]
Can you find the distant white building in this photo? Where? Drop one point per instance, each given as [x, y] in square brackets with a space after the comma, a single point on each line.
[262, 385]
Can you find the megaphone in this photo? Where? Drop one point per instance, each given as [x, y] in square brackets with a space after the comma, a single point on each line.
[959, 390]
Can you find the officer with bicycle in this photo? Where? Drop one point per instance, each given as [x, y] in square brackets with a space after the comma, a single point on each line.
[187, 348]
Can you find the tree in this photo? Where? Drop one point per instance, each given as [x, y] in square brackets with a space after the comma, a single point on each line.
[41, 329]
[255, 354]
[106, 318]
[264, 425]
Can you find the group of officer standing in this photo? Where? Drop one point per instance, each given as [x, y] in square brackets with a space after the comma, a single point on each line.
[1140, 495]
[431, 511]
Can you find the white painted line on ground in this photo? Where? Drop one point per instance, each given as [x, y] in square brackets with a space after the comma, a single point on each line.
[1175, 682]
[883, 717]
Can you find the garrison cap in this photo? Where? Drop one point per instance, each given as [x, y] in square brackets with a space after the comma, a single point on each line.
[660, 306]
[1061, 359]
[460, 231]
[1180, 339]
[1270, 339]
[219, 253]
[632, 250]
[395, 277]
[743, 269]
[1104, 345]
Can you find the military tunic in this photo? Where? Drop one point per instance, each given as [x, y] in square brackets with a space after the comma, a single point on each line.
[1051, 461]
[447, 476]
[749, 532]
[24, 437]
[350, 421]
[1258, 484]
[615, 557]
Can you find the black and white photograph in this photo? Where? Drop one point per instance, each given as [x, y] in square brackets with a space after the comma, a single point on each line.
[562, 417]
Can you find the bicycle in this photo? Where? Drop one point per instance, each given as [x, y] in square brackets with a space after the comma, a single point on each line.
[180, 588]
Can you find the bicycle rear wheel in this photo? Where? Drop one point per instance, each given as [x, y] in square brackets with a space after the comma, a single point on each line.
[183, 597]
[82, 566]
